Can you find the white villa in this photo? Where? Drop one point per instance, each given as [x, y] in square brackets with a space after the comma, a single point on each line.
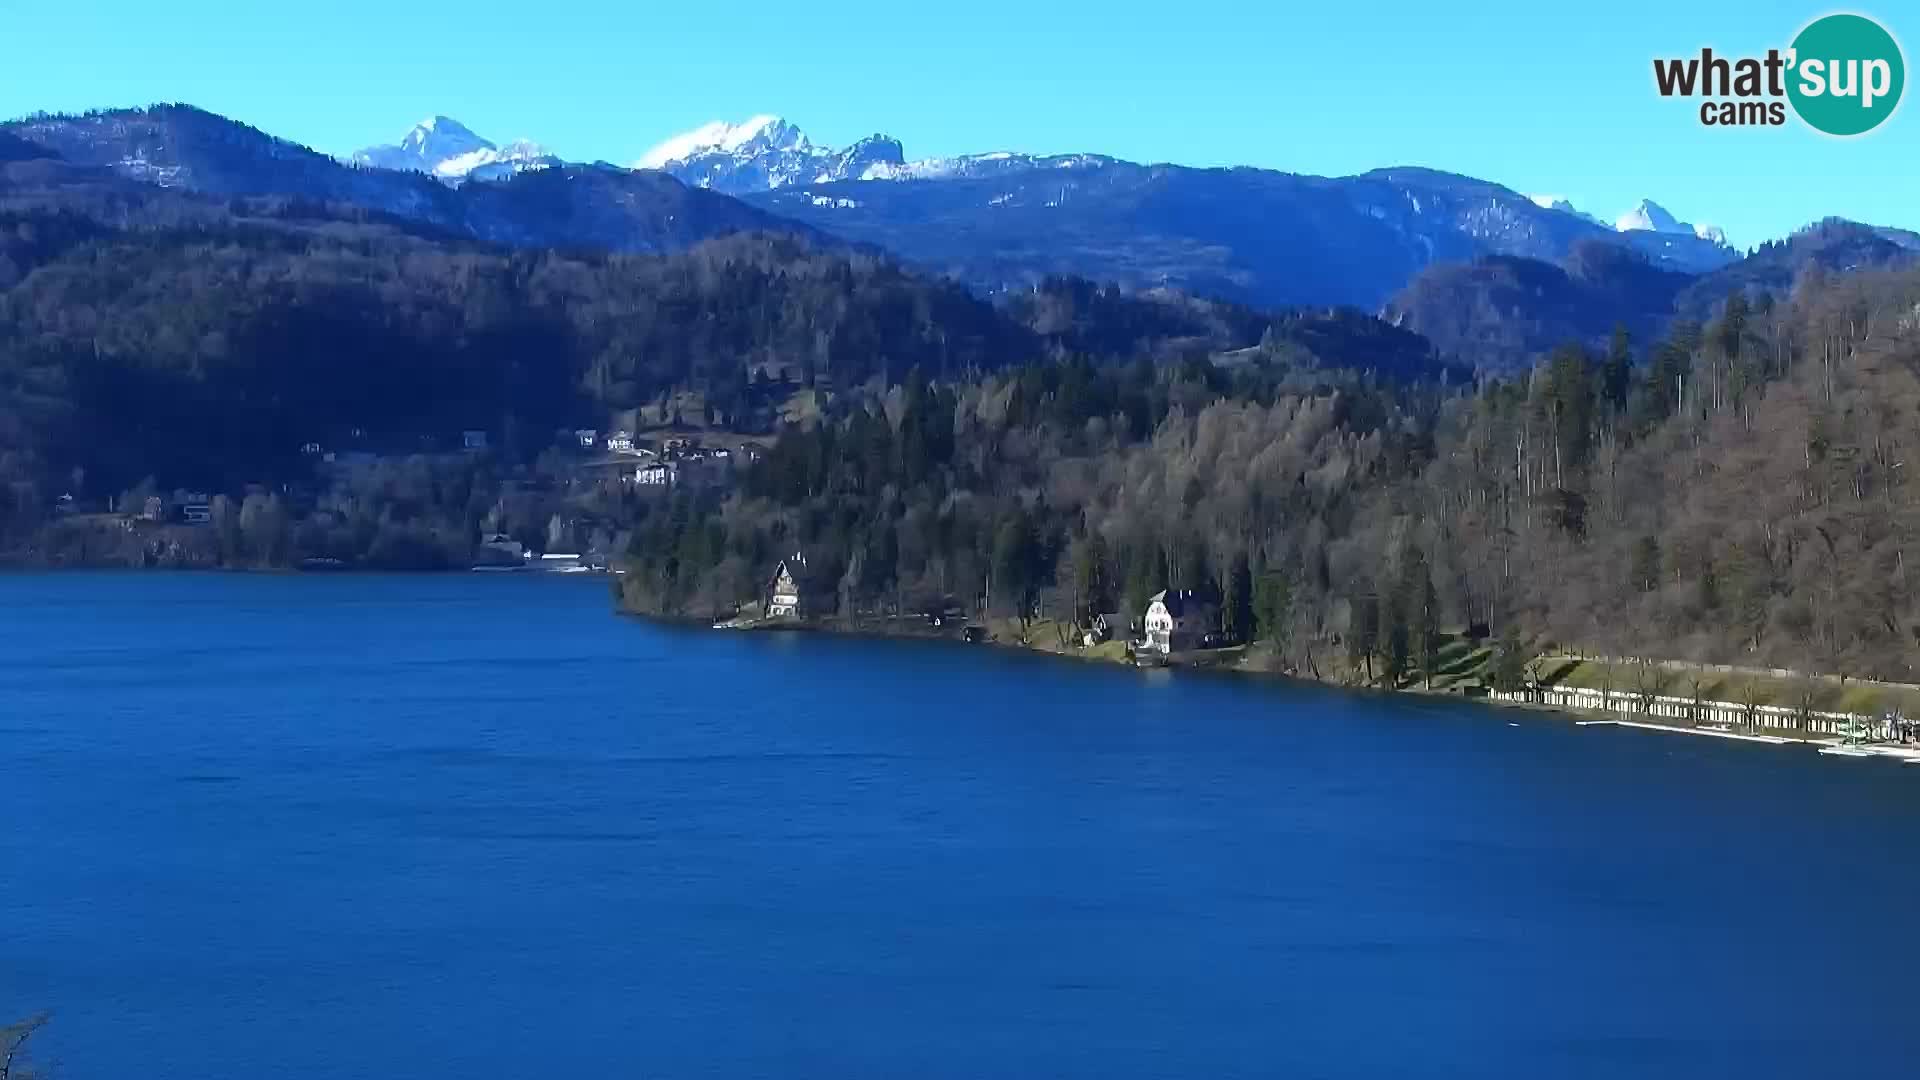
[1181, 619]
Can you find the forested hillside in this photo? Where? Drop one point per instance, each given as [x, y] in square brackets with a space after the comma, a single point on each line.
[997, 491]
[211, 355]
[1502, 313]
[1752, 502]
[154, 339]
[1739, 494]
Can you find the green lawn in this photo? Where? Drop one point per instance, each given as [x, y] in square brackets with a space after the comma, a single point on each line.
[1829, 693]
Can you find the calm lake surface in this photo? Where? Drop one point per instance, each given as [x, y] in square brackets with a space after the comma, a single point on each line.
[477, 825]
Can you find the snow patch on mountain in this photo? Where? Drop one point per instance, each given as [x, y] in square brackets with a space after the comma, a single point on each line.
[1562, 204]
[974, 166]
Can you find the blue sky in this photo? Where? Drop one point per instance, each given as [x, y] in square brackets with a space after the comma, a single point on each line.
[1542, 97]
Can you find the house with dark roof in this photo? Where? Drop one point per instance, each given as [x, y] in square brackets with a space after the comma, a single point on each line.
[794, 592]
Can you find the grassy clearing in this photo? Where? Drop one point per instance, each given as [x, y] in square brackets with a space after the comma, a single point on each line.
[1462, 663]
[803, 407]
[1828, 693]
[1044, 635]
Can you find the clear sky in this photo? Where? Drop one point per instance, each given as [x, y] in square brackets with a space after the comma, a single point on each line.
[1543, 97]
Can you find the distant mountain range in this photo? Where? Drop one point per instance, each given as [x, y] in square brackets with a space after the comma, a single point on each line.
[182, 148]
[767, 153]
[766, 156]
[1398, 240]
[1005, 220]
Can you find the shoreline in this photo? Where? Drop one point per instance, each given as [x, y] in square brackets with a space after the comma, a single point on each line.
[916, 630]
[1825, 745]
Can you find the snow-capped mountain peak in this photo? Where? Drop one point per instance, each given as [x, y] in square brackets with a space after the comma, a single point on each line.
[441, 132]
[1650, 216]
[764, 133]
[767, 153]
[1652, 229]
[1647, 216]
[450, 151]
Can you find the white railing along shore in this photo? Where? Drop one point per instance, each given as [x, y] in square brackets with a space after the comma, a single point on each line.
[1703, 711]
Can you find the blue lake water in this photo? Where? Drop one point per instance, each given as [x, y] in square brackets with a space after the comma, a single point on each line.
[456, 826]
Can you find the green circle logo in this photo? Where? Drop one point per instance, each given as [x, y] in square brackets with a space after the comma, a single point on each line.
[1847, 74]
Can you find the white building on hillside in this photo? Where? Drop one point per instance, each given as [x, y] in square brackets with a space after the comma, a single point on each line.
[660, 474]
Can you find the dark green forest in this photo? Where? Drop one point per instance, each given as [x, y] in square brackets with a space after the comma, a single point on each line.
[211, 355]
[208, 348]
